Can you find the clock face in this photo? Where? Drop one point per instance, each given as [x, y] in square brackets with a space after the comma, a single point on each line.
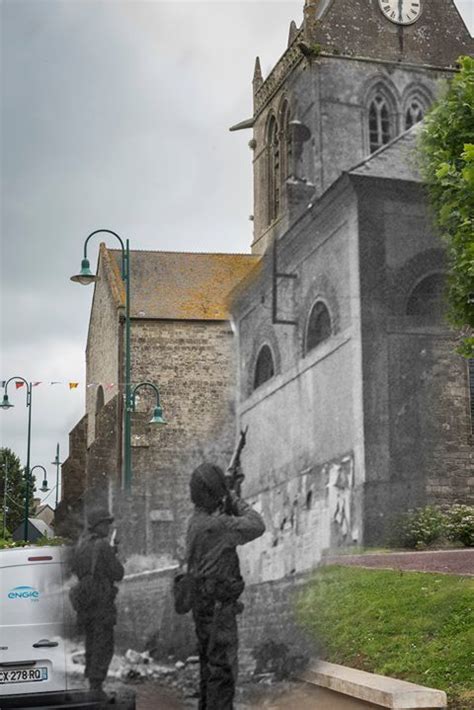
[403, 12]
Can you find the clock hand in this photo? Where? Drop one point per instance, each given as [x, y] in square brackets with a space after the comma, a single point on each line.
[400, 9]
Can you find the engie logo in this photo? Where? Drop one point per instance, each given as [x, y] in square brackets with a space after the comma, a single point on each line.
[24, 593]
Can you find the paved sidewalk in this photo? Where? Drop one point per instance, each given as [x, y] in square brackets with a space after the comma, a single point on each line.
[459, 562]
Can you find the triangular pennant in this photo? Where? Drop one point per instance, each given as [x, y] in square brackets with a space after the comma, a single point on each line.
[35, 384]
[19, 384]
[73, 385]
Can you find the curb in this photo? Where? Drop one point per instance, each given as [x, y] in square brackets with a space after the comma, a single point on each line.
[376, 689]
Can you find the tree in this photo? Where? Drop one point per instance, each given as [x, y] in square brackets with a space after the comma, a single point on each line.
[447, 151]
[12, 470]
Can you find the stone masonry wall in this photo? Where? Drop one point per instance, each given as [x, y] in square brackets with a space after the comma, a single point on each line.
[304, 457]
[191, 362]
[73, 482]
[102, 352]
[147, 621]
[416, 398]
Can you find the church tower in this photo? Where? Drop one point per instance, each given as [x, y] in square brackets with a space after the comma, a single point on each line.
[355, 75]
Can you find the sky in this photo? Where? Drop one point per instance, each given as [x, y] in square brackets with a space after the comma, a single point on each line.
[115, 114]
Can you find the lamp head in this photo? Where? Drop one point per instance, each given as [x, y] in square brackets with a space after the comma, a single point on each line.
[85, 276]
[44, 486]
[6, 404]
[157, 417]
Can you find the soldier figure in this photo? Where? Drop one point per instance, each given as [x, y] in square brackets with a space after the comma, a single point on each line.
[97, 567]
[220, 522]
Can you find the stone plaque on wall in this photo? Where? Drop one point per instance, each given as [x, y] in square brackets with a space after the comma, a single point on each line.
[162, 515]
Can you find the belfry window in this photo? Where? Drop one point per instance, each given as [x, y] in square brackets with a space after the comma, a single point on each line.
[286, 158]
[274, 177]
[264, 368]
[414, 113]
[380, 130]
[319, 326]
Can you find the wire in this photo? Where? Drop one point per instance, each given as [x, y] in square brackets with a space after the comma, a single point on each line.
[52, 489]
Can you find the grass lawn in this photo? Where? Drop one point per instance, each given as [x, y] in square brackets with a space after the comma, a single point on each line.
[409, 625]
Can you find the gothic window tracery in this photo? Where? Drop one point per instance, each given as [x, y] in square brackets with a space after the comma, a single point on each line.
[285, 141]
[273, 146]
[414, 112]
[380, 124]
[319, 326]
[264, 367]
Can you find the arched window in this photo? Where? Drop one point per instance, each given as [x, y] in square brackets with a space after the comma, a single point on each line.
[319, 326]
[273, 147]
[264, 368]
[286, 145]
[381, 130]
[414, 112]
[99, 399]
[99, 404]
[427, 298]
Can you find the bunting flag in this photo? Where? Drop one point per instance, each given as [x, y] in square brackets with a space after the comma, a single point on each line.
[72, 385]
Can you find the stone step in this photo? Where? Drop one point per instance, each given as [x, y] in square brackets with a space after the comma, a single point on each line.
[377, 689]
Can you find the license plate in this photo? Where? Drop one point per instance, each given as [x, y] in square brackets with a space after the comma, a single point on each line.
[23, 675]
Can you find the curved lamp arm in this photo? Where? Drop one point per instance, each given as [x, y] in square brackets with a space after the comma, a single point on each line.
[44, 485]
[86, 276]
[6, 404]
[158, 412]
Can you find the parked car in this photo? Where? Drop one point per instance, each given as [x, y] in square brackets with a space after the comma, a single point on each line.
[34, 608]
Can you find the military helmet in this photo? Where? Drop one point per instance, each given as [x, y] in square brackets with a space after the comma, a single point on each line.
[208, 486]
[98, 515]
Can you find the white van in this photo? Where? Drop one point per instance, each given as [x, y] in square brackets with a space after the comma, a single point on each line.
[34, 606]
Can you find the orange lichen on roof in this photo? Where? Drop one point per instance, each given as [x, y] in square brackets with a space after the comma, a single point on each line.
[113, 271]
[184, 285]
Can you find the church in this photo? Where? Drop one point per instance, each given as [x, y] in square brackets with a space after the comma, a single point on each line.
[328, 340]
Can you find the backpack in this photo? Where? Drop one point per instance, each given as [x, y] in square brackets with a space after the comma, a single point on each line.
[83, 595]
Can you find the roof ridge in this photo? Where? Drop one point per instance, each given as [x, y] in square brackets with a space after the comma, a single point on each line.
[385, 147]
[194, 253]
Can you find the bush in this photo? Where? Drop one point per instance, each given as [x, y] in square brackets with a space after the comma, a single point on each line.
[417, 529]
[459, 524]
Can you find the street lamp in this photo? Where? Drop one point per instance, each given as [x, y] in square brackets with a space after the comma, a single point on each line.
[157, 417]
[6, 405]
[86, 277]
[44, 486]
[5, 484]
[57, 463]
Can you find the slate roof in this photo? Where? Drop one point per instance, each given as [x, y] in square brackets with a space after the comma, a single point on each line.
[183, 285]
[395, 161]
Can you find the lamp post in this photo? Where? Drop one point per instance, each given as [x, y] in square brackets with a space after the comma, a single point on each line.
[6, 405]
[5, 483]
[44, 486]
[57, 463]
[86, 277]
[157, 417]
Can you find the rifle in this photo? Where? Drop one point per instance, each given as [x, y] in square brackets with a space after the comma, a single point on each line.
[234, 473]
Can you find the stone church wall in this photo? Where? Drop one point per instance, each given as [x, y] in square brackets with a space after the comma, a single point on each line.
[417, 431]
[304, 457]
